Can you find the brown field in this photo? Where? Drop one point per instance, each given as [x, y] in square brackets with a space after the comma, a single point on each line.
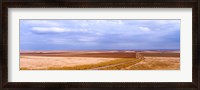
[83, 54]
[99, 60]
[161, 54]
[157, 63]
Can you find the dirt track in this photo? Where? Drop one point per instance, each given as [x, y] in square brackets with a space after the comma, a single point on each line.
[110, 65]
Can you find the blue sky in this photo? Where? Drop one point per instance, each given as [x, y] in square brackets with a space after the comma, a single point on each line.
[99, 34]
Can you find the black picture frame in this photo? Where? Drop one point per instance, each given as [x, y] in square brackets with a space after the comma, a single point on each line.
[194, 4]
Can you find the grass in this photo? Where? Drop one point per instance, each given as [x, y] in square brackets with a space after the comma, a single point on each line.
[89, 66]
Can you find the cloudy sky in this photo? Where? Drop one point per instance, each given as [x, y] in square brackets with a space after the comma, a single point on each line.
[99, 34]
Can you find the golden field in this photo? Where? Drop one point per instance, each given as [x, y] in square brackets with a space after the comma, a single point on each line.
[98, 60]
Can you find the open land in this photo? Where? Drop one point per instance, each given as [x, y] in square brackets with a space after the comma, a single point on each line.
[100, 60]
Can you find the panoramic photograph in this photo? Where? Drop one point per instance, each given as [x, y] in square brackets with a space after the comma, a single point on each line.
[104, 44]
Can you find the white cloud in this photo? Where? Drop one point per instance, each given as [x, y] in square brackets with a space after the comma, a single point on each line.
[83, 30]
[57, 29]
[73, 41]
[98, 33]
[87, 39]
[144, 29]
[62, 41]
[58, 41]
[50, 29]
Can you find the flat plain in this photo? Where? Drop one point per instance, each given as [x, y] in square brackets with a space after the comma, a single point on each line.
[100, 60]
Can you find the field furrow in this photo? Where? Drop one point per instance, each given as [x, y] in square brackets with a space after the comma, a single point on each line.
[119, 66]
